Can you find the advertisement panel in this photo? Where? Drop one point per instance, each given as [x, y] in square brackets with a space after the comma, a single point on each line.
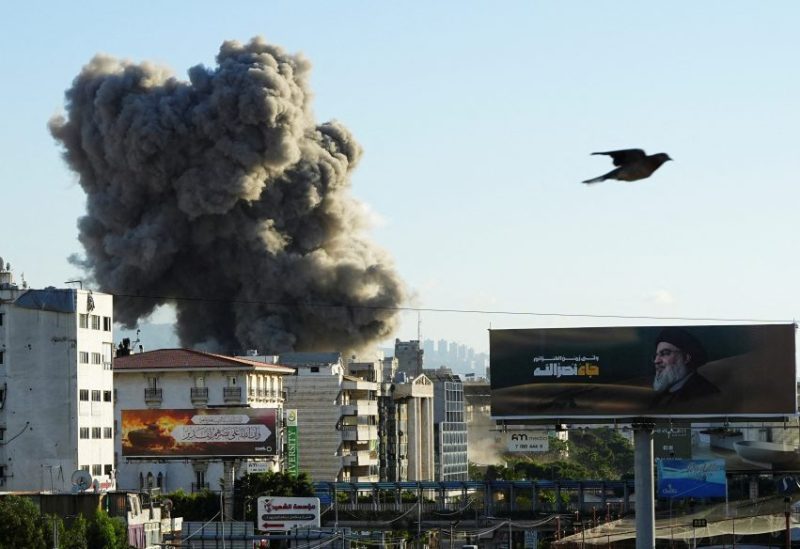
[691, 478]
[202, 432]
[292, 450]
[284, 513]
[672, 442]
[528, 441]
[651, 371]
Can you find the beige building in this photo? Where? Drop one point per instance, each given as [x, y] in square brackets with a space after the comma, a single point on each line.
[337, 415]
[182, 379]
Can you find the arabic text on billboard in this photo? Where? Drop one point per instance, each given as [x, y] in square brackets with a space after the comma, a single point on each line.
[683, 371]
[691, 478]
[200, 432]
[285, 513]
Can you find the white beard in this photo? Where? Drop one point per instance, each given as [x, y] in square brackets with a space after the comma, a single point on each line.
[669, 376]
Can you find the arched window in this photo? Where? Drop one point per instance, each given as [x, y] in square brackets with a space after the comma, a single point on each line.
[160, 480]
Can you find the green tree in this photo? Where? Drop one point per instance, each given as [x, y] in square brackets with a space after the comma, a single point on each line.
[21, 524]
[105, 532]
[75, 536]
[250, 487]
[200, 506]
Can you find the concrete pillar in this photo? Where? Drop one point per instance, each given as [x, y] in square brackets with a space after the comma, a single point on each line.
[414, 439]
[644, 485]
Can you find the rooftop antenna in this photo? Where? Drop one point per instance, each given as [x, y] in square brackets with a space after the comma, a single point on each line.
[75, 282]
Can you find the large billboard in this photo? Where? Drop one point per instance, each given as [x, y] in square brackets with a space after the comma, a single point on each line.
[691, 478]
[644, 371]
[219, 432]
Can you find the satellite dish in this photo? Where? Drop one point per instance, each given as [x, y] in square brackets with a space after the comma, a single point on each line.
[81, 480]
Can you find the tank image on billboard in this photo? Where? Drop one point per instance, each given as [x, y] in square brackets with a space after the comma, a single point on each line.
[248, 432]
[643, 371]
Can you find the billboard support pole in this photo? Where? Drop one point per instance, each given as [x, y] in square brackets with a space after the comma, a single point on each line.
[229, 475]
[644, 484]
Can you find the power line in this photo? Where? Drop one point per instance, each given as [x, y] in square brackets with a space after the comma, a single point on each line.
[313, 305]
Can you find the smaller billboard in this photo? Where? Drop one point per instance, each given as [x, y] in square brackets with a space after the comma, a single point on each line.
[239, 432]
[254, 467]
[691, 478]
[277, 514]
[527, 441]
[673, 442]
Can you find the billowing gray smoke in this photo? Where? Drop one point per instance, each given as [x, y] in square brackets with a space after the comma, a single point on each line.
[225, 191]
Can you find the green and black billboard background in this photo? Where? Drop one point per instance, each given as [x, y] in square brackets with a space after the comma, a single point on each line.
[608, 372]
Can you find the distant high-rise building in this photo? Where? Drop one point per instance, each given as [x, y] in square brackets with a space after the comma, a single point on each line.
[452, 354]
[409, 357]
[428, 350]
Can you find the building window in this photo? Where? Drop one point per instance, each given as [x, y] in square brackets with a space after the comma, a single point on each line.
[200, 381]
[315, 369]
[106, 396]
[97, 358]
[1, 318]
[152, 383]
[97, 469]
[84, 432]
[84, 394]
[83, 357]
[2, 433]
[231, 381]
[97, 433]
[107, 432]
[106, 323]
[96, 395]
[95, 322]
[1, 356]
[83, 321]
[108, 469]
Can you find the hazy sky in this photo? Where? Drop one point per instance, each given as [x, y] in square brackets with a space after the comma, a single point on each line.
[477, 122]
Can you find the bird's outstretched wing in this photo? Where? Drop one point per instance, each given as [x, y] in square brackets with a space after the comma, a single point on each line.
[624, 156]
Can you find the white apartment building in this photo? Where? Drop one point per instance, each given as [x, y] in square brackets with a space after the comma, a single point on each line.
[168, 381]
[56, 387]
[337, 415]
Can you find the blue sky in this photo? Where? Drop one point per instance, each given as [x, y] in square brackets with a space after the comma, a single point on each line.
[477, 121]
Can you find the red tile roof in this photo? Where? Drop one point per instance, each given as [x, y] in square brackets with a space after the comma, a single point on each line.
[187, 359]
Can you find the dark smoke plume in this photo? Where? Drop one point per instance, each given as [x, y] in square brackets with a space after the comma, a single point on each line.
[225, 189]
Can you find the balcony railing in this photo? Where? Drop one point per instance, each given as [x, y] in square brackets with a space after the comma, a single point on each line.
[152, 395]
[199, 393]
[232, 394]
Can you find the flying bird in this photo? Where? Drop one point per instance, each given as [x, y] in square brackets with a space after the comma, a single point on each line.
[633, 164]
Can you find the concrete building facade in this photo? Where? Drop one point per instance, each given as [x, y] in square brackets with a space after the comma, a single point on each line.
[337, 415]
[450, 428]
[56, 387]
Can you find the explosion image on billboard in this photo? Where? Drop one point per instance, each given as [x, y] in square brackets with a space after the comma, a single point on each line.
[201, 432]
[644, 371]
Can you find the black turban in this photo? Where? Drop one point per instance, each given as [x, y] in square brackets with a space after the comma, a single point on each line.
[686, 342]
